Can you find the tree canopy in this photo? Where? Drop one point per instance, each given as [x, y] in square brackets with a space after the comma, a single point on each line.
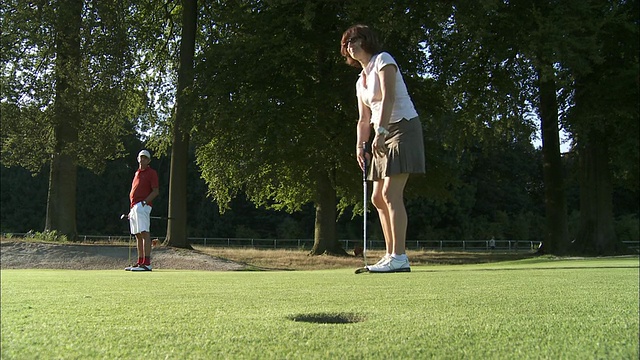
[271, 110]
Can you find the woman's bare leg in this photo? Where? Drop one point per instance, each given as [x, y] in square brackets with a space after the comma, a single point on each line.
[377, 199]
[388, 198]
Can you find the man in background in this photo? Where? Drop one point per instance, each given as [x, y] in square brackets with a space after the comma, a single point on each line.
[144, 189]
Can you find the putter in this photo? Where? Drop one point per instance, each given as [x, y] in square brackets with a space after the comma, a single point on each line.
[160, 218]
[364, 213]
[126, 217]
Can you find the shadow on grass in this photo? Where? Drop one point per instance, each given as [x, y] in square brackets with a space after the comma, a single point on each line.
[466, 257]
[328, 318]
[422, 270]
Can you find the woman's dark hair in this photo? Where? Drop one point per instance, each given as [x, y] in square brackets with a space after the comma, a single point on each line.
[370, 42]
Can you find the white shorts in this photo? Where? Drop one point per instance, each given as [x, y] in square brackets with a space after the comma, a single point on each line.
[139, 218]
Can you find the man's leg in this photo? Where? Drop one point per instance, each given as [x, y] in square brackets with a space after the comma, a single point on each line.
[144, 251]
[140, 251]
[146, 240]
[140, 247]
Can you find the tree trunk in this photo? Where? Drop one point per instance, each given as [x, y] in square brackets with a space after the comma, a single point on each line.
[61, 197]
[177, 224]
[596, 235]
[324, 239]
[557, 231]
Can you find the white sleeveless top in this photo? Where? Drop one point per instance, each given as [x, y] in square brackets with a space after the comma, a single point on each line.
[371, 95]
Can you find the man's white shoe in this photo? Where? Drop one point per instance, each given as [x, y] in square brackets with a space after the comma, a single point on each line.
[142, 268]
[128, 268]
[392, 265]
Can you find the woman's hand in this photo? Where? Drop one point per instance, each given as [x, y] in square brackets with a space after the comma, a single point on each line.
[362, 156]
[379, 147]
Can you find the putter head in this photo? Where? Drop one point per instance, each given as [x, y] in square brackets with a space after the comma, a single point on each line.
[362, 270]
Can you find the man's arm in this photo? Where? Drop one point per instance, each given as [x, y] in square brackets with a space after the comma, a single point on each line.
[155, 192]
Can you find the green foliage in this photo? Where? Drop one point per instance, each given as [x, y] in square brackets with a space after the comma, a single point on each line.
[466, 214]
[605, 83]
[486, 82]
[271, 125]
[23, 199]
[289, 228]
[275, 108]
[23, 136]
[493, 311]
[245, 232]
[628, 228]
[110, 99]
[484, 54]
[48, 236]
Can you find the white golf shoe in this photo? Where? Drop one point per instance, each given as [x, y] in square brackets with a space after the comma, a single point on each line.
[128, 268]
[391, 265]
[382, 261]
[142, 268]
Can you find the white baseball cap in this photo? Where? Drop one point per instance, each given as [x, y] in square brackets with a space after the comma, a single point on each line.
[144, 153]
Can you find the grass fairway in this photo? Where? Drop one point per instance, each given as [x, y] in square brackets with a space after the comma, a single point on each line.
[535, 308]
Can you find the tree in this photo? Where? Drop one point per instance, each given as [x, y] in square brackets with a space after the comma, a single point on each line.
[276, 108]
[61, 199]
[269, 122]
[548, 42]
[177, 226]
[580, 51]
[68, 90]
[557, 230]
[604, 118]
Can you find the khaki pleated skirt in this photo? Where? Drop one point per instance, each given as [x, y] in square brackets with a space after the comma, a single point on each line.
[405, 151]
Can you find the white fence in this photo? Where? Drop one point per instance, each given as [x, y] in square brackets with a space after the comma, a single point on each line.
[464, 245]
[440, 245]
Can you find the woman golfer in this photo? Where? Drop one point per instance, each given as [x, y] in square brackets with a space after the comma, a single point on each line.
[385, 108]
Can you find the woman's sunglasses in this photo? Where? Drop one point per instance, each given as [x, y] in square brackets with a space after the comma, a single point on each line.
[351, 40]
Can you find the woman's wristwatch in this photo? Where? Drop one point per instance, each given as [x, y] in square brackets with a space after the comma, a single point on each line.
[382, 131]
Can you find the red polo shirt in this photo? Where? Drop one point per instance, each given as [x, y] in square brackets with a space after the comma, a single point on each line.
[143, 184]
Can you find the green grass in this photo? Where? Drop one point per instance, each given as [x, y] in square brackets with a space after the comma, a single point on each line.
[534, 308]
